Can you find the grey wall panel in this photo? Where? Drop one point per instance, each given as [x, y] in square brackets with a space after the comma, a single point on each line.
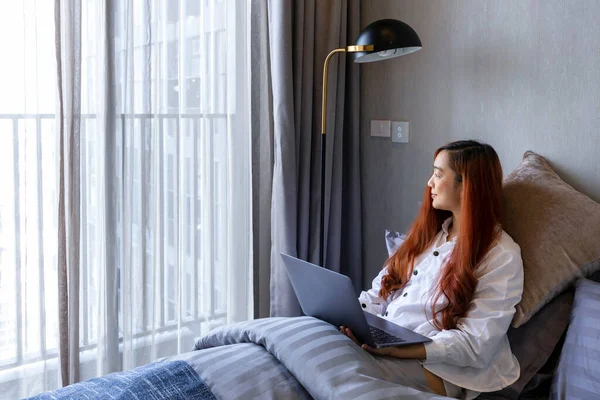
[517, 74]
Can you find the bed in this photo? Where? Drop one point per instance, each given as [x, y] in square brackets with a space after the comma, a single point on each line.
[558, 230]
[271, 358]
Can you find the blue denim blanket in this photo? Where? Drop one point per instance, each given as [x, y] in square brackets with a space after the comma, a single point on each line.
[173, 380]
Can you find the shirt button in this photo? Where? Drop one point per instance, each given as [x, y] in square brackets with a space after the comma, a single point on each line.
[405, 294]
[415, 272]
[364, 305]
[436, 253]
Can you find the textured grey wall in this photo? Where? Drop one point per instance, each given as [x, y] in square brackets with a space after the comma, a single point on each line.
[517, 74]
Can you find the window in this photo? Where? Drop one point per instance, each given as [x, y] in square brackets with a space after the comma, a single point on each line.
[158, 196]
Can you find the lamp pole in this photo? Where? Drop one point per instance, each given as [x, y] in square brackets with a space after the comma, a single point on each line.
[380, 40]
[349, 49]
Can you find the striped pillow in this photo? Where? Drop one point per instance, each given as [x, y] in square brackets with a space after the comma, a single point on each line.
[579, 367]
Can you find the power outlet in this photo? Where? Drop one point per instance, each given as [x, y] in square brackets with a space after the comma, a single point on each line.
[400, 131]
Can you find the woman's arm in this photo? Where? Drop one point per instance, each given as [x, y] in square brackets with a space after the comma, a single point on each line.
[369, 300]
[416, 351]
[478, 334]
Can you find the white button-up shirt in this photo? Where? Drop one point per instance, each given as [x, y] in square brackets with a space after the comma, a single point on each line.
[476, 354]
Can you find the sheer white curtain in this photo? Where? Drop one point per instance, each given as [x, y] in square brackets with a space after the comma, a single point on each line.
[165, 235]
[167, 231]
[28, 199]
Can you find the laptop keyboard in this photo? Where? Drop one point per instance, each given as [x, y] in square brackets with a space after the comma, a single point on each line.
[382, 337]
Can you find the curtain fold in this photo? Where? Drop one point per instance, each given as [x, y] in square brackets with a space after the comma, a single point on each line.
[68, 68]
[106, 162]
[262, 156]
[284, 201]
[295, 38]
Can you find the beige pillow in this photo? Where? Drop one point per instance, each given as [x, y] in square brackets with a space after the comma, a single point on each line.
[557, 228]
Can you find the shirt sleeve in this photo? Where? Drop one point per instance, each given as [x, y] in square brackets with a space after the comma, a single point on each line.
[370, 300]
[478, 334]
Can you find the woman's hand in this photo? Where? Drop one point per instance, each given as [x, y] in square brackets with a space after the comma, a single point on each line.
[416, 351]
[348, 332]
[384, 351]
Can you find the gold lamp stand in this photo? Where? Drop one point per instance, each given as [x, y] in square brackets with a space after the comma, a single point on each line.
[348, 49]
[380, 40]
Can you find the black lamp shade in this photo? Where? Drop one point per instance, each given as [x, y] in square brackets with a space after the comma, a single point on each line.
[390, 38]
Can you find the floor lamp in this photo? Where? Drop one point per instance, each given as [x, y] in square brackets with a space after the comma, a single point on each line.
[381, 40]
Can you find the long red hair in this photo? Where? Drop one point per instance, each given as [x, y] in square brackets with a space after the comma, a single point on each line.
[478, 168]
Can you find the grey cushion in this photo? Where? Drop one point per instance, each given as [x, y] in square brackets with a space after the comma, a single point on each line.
[534, 342]
[557, 228]
[578, 372]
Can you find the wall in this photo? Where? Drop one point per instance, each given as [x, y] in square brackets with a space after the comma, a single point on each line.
[516, 74]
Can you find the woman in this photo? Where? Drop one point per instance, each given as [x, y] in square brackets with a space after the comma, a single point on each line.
[455, 279]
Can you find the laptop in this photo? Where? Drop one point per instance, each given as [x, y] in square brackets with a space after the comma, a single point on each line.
[330, 296]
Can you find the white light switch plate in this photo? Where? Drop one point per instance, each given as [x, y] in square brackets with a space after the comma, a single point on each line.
[380, 128]
[400, 131]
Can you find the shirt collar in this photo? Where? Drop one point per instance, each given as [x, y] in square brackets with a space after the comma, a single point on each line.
[445, 227]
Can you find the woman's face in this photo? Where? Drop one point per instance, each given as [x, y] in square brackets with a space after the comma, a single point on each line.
[446, 191]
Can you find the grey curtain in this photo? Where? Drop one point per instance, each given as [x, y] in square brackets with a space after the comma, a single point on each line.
[290, 42]
[67, 16]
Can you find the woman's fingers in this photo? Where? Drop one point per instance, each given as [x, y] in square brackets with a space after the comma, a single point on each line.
[351, 336]
[382, 351]
[348, 332]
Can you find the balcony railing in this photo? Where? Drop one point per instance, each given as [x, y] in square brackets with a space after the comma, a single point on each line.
[28, 226]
